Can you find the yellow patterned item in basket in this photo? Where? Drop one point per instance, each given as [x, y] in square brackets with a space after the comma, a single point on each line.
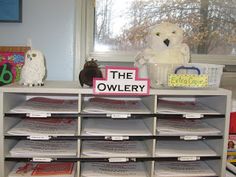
[188, 80]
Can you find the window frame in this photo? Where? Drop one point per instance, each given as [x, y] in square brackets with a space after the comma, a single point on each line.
[84, 43]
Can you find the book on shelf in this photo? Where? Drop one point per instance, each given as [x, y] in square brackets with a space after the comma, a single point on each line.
[229, 174]
[53, 169]
[181, 169]
[231, 151]
[105, 105]
[177, 126]
[50, 127]
[177, 148]
[59, 148]
[231, 169]
[112, 127]
[114, 149]
[232, 143]
[183, 107]
[47, 105]
[231, 158]
[96, 169]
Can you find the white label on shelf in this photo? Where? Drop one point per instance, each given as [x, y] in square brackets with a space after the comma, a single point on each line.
[118, 116]
[193, 116]
[118, 159]
[117, 138]
[39, 137]
[190, 137]
[41, 159]
[188, 158]
[38, 114]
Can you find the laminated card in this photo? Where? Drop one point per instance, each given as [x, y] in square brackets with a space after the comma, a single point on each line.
[54, 169]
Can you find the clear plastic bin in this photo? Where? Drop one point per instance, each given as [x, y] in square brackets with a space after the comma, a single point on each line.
[158, 73]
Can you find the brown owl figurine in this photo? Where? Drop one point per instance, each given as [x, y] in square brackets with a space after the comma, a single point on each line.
[89, 71]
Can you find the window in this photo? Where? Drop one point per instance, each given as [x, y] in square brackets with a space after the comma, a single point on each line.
[118, 28]
[210, 26]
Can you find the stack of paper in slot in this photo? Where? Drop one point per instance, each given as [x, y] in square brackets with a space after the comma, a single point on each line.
[114, 149]
[25, 148]
[47, 105]
[52, 126]
[104, 105]
[181, 169]
[113, 169]
[183, 107]
[96, 127]
[183, 148]
[185, 127]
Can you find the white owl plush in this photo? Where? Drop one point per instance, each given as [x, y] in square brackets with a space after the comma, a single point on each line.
[34, 70]
[165, 45]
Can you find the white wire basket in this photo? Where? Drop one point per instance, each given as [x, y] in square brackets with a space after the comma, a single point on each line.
[158, 73]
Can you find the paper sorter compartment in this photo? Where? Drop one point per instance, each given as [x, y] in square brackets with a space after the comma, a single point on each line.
[187, 127]
[130, 169]
[190, 107]
[11, 100]
[43, 105]
[10, 122]
[116, 127]
[8, 145]
[8, 167]
[217, 145]
[116, 105]
[40, 127]
[38, 149]
[53, 169]
[191, 150]
[181, 169]
[216, 122]
[109, 149]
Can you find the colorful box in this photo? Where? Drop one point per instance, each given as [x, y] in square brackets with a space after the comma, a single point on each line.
[232, 127]
[11, 61]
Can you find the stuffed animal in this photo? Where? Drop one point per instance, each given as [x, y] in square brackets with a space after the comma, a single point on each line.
[89, 71]
[165, 45]
[33, 70]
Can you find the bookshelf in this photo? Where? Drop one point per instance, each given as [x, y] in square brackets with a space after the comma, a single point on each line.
[114, 132]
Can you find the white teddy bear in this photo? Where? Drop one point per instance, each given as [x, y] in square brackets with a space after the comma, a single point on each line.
[165, 45]
[34, 70]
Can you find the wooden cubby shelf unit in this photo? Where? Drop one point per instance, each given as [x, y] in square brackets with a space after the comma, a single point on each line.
[150, 138]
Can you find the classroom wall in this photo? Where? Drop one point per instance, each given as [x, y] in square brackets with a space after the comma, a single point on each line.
[49, 25]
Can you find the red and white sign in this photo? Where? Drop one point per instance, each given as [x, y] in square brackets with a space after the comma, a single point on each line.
[121, 81]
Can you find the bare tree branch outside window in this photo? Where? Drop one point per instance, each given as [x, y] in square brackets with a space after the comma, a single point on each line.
[209, 25]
